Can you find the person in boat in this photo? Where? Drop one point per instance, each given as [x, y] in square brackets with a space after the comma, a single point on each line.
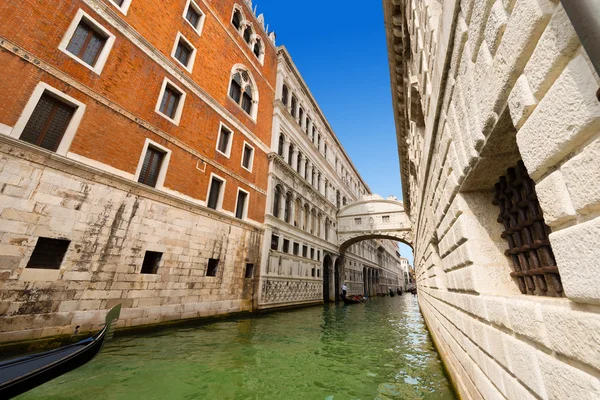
[391, 292]
[344, 289]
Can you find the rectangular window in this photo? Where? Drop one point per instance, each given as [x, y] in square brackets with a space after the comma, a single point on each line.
[386, 218]
[274, 242]
[48, 253]
[312, 253]
[224, 142]
[286, 246]
[214, 194]
[118, 2]
[296, 249]
[151, 167]
[213, 266]
[312, 272]
[170, 101]
[151, 261]
[247, 157]
[86, 43]
[249, 271]
[304, 251]
[318, 255]
[183, 52]
[48, 122]
[357, 221]
[194, 16]
[240, 209]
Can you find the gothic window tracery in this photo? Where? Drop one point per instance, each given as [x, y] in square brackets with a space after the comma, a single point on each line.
[243, 92]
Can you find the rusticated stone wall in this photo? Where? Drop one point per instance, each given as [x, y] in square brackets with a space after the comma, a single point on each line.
[111, 223]
[478, 86]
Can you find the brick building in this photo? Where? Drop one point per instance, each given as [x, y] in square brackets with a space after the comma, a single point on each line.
[133, 160]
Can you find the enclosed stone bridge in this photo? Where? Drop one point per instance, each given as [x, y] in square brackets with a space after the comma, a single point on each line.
[373, 217]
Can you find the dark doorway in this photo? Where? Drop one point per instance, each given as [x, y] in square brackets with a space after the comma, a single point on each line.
[326, 274]
[338, 280]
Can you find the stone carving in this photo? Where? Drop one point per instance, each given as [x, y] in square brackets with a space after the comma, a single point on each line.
[275, 290]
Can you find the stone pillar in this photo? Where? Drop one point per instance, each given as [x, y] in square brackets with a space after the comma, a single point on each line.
[308, 171]
[295, 159]
[292, 212]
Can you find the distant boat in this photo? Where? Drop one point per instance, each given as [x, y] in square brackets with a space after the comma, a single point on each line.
[354, 299]
[22, 374]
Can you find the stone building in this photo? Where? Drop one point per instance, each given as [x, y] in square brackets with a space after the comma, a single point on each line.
[311, 178]
[133, 160]
[498, 130]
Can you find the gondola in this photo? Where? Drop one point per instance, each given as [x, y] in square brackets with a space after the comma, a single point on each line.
[353, 299]
[22, 374]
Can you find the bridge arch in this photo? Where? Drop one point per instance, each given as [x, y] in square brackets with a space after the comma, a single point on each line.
[373, 217]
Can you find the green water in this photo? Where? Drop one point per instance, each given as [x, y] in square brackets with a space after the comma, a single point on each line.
[379, 350]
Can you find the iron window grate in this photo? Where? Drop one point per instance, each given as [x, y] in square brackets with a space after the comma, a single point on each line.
[534, 265]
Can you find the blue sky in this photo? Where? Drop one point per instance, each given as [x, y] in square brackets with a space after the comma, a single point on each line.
[340, 49]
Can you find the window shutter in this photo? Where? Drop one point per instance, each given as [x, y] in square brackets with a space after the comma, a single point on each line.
[151, 167]
[48, 123]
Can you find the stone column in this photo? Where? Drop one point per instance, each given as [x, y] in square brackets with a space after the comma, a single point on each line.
[308, 171]
[295, 159]
[293, 212]
[286, 149]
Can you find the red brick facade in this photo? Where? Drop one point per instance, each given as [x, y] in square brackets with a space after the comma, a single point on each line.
[121, 115]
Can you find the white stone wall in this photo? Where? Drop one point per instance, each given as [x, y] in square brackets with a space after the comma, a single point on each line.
[110, 222]
[518, 86]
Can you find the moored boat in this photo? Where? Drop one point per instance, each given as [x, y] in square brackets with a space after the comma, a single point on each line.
[354, 299]
[19, 375]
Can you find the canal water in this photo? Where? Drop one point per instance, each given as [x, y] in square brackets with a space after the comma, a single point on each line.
[378, 350]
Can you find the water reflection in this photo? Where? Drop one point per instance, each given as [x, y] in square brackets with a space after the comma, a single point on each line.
[378, 350]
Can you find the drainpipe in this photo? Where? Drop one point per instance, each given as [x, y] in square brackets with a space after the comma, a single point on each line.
[585, 17]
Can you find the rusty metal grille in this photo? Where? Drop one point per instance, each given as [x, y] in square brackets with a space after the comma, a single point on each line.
[534, 265]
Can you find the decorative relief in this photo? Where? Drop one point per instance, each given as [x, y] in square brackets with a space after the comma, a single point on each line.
[283, 290]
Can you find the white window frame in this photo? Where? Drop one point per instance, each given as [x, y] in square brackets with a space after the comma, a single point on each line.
[160, 181]
[103, 56]
[192, 59]
[179, 111]
[229, 145]
[194, 5]
[246, 144]
[246, 206]
[124, 7]
[67, 139]
[221, 194]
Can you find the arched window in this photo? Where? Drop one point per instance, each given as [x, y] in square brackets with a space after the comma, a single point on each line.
[300, 116]
[281, 144]
[294, 106]
[313, 228]
[290, 153]
[306, 216]
[248, 34]
[288, 207]
[277, 201]
[237, 19]
[337, 199]
[344, 201]
[327, 223]
[242, 91]
[257, 48]
[285, 95]
[319, 182]
[299, 162]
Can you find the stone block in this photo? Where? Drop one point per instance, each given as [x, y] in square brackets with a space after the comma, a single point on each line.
[524, 364]
[564, 382]
[554, 199]
[578, 257]
[556, 47]
[495, 26]
[521, 102]
[495, 345]
[574, 334]
[581, 175]
[525, 318]
[514, 389]
[496, 311]
[566, 117]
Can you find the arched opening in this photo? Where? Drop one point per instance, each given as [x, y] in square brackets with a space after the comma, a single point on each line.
[257, 49]
[281, 144]
[365, 283]
[242, 91]
[326, 277]
[285, 95]
[338, 278]
[237, 19]
[288, 207]
[277, 201]
[248, 34]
